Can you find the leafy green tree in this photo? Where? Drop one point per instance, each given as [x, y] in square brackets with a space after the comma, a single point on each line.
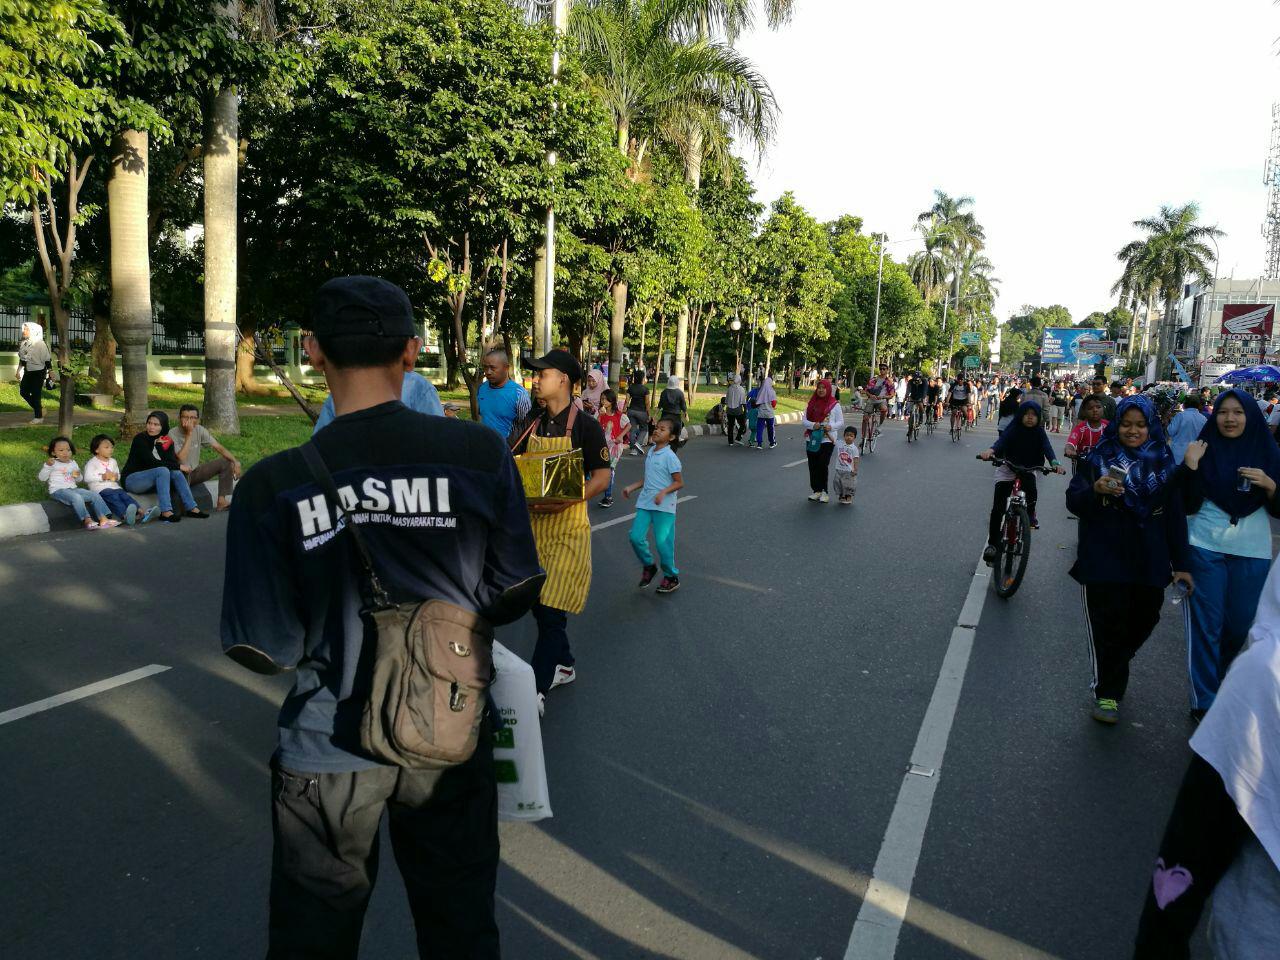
[796, 271]
[1176, 246]
[50, 99]
[904, 319]
[424, 131]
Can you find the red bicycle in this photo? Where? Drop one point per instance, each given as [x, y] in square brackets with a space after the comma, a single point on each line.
[1013, 548]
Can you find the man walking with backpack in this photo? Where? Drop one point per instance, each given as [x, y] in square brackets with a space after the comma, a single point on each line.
[384, 506]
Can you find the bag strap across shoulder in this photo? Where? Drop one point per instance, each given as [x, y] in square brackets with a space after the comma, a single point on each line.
[320, 472]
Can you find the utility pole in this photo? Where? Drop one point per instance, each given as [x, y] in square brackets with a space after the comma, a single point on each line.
[875, 331]
[544, 306]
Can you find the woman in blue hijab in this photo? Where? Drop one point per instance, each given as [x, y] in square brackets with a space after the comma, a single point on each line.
[1229, 487]
[1133, 541]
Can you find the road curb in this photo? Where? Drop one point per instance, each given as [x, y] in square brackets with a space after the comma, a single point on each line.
[44, 516]
[716, 430]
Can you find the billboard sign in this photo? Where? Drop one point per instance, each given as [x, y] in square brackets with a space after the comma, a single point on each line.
[1070, 345]
[1247, 321]
[970, 338]
[1101, 348]
[973, 361]
[1210, 372]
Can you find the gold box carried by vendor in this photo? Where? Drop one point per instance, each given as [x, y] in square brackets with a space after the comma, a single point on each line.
[552, 476]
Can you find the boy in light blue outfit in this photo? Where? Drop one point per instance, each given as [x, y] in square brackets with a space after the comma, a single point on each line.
[656, 507]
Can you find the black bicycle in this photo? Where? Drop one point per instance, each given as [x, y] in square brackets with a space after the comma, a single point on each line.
[913, 421]
[1013, 546]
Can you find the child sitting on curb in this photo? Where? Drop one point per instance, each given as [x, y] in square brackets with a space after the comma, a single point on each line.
[62, 474]
[102, 476]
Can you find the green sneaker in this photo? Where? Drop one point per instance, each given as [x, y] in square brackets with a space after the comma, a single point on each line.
[1106, 711]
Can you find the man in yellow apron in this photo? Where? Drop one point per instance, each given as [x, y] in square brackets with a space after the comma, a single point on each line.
[562, 533]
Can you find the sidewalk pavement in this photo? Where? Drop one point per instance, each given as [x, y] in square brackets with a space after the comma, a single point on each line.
[43, 516]
[10, 419]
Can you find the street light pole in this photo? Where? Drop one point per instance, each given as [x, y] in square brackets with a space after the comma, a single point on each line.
[875, 332]
[560, 23]
[755, 318]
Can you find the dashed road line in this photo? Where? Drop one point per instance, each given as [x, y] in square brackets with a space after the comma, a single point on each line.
[884, 907]
[631, 516]
[79, 693]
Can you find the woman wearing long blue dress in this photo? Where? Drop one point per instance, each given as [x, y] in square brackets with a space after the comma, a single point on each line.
[1229, 487]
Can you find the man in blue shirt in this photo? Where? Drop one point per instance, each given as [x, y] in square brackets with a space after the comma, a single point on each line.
[416, 393]
[1186, 425]
[502, 400]
[443, 515]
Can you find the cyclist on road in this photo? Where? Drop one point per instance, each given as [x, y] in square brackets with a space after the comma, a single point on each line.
[934, 394]
[1024, 443]
[917, 390]
[880, 389]
[958, 398]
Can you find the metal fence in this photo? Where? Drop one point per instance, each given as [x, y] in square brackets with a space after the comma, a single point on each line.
[81, 329]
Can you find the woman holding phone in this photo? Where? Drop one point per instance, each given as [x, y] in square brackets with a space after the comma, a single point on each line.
[1133, 541]
[1229, 487]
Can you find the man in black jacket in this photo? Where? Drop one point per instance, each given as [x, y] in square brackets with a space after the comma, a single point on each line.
[443, 513]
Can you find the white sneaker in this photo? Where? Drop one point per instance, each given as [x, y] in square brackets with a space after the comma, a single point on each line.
[824, 498]
[542, 704]
[36, 420]
[563, 675]
[92, 525]
[108, 523]
[815, 497]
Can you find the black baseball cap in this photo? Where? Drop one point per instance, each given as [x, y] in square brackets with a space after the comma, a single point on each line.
[561, 360]
[362, 305]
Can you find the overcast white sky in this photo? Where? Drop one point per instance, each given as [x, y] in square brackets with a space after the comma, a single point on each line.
[1064, 121]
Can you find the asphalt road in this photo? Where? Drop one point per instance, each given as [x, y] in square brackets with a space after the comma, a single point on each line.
[723, 772]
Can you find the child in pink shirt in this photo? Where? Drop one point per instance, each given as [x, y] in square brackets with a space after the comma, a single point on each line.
[1087, 432]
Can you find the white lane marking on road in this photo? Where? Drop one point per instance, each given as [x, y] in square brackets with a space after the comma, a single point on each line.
[884, 907]
[794, 463]
[631, 516]
[79, 693]
[732, 583]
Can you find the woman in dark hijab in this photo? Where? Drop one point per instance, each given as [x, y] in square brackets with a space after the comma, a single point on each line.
[1024, 442]
[1229, 487]
[1008, 408]
[1133, 541]
[153, 465]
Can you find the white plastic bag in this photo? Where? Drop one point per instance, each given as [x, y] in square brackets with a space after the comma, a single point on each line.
[517, 746]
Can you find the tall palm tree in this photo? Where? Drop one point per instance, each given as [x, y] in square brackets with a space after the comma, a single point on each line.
[1138, 283]
[952, 221]
[127, 187]
[661, 85]
[1175, 249]
[928, 267]
[221, 220]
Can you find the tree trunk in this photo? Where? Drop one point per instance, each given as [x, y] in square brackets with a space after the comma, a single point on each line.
[539, 296]
[103, 353]
[66, 383]
[617, 326]
[693, 176]
[246, 357]
[1164, 366]
[657, 363]
[130, 269]
[221, 171]
[702, 352]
